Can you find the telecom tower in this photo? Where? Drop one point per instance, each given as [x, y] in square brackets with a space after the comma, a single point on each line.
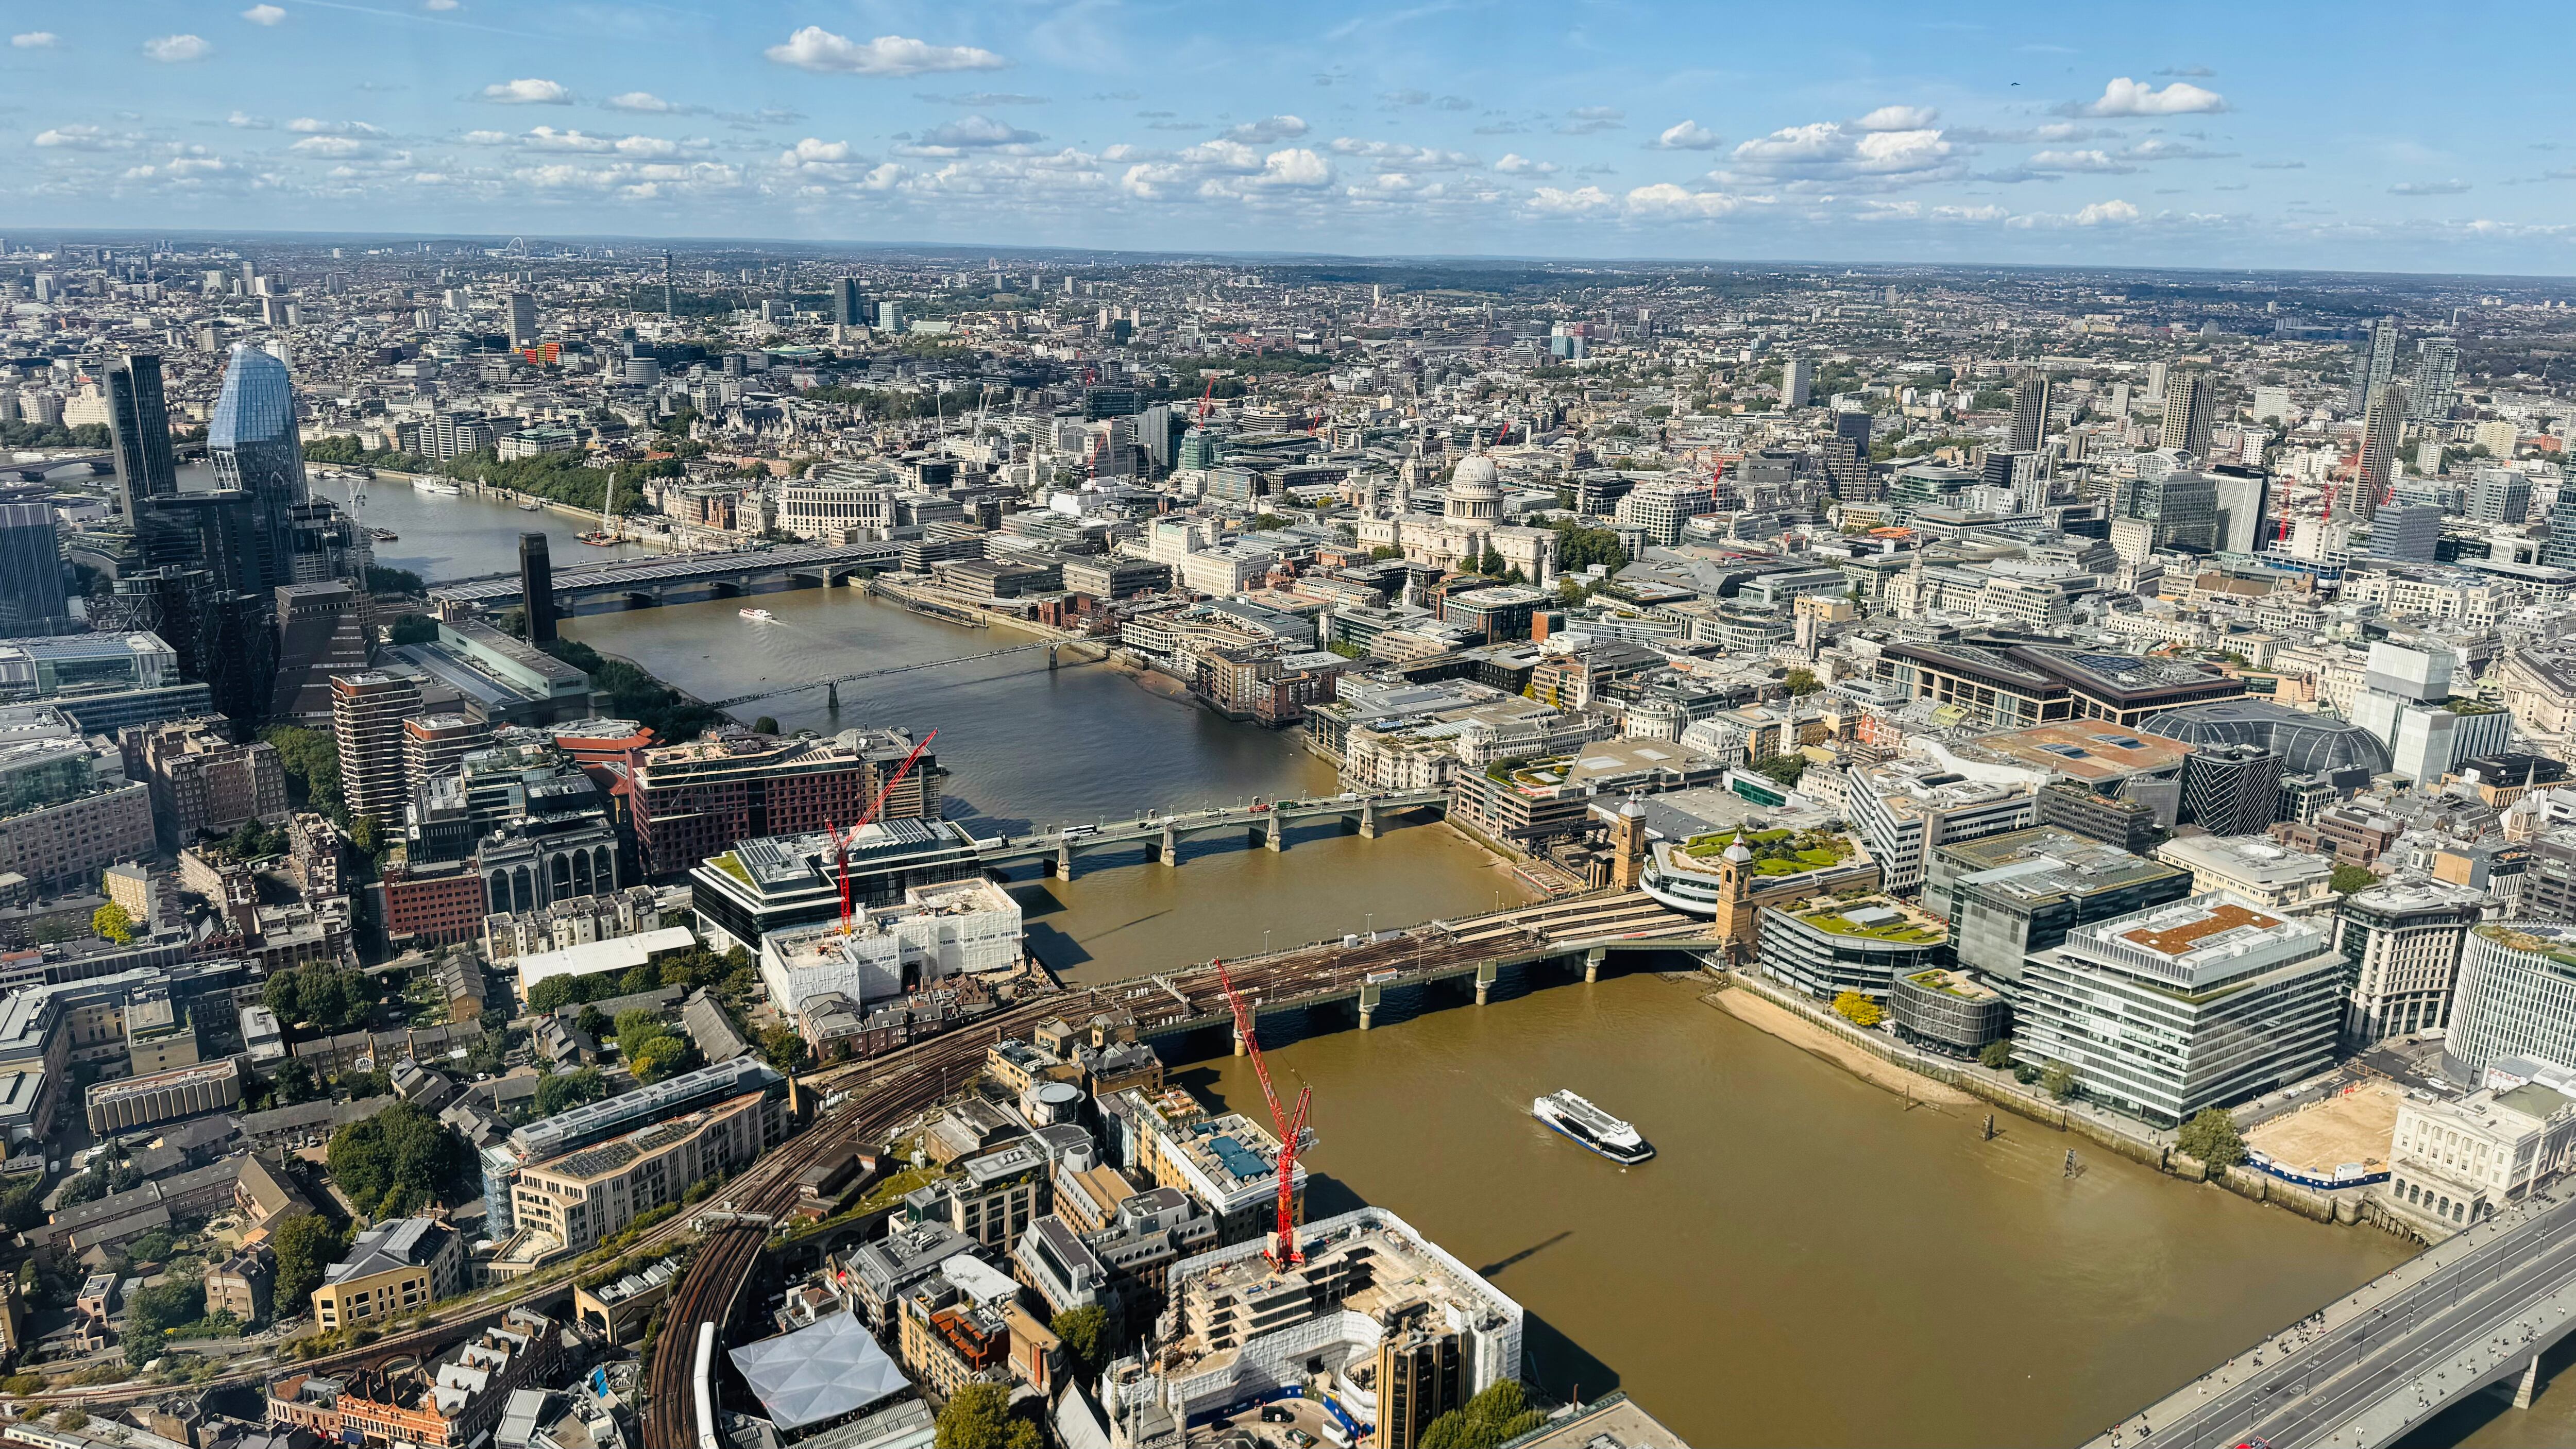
[666, 286]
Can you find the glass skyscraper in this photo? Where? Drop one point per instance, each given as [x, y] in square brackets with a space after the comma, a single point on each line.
[138, 421]
[31, 565]
[256, 449]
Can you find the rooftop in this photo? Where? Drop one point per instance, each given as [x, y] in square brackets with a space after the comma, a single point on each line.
[1876, 918]
[2087, 750]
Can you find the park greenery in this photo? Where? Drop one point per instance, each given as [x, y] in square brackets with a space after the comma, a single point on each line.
[636, 695]
[2349, 878]
[1495, 1417]
[652, 1046]
[2212, 1137]
[397, 1160]
[321, 995]
[305, 1244]
[312, 764]
[979, 1416]
[1578, 548]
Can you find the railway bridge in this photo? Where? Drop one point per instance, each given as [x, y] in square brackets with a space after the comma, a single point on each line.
[682, 578]
[1264, 823]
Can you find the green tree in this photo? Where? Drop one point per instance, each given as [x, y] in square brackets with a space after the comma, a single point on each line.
[550, 993]
[2212, 1137]
[1492, 563]
[1087, 1336]
[564, 1091]
[363, 834]
[415, 629]
[397, 1160]
[978, 1416]
[1859, 1010]
[312, 765]
[1995, 1054]
[111, 923]
[1495, 1417]
[765, 725]
[784, 1049]
[1801, 682]
[592, 1021]
[1785, 770]
[2057, 1080]
[2349, 878]
[330, 997]
[305, 1245]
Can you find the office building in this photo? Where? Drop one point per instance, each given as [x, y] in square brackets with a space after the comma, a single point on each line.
[781, 882]
[257, 450]
[1827, 947]
[2380, 425]
[164, 1096]
[2499, 495]
[1373, 1297]
[2515, 997]
[595, 1192]
[138, 425]
[2231, 789]
[2406, 533]
[67, 812]
[537, 587]
[437, 744]
[2437, 370]
[2202, 1003]
[2009, 896]
[2030, 400]
[2190, 408]
[33, 600]
[695, 800]
[2243, 497]
[2253, 868]
[321, 633]
[2461, 1162]
[849, 303]
[367, 714]
[202, 783]
[2339, 751]
[2406, 703]
[1950, 1012]
[1797, 378]
[2374, 366]
[2182, 505]
[967, 927]
[2404, 940]
[392, 1270]
[523, 320]
[1907, 806]
[1230, 1165]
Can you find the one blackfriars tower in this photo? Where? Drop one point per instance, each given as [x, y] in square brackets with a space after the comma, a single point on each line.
[139, 425]
[256, 449]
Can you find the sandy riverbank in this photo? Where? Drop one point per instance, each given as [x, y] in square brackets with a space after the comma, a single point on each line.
[1787, 1025]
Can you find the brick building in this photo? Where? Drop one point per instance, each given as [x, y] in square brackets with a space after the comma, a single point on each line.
[695, 800]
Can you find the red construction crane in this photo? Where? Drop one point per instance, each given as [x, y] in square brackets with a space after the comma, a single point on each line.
[841, 842]
[1205, 398]
[1283, 1251]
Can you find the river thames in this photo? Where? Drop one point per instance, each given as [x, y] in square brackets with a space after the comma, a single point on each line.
[1807, 1261]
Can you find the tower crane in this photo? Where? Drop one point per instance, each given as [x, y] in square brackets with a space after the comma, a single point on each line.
[841, 841]
[1283, 1252]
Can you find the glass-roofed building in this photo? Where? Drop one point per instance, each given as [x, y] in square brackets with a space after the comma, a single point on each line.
[2308, 744]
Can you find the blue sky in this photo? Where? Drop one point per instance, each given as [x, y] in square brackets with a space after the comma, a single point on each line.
[2367, 135]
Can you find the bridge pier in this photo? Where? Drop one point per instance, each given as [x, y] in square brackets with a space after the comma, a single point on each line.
[1485, 973]
[1592, 964]
[2529, 1385]
[1064, 862]
[1368, 821]
[1171, 848]
[832, 697]
[1236, 1032]
[1277, 838]
[1367, 1004]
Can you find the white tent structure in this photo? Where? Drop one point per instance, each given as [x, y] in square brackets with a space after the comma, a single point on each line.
[822, 1372]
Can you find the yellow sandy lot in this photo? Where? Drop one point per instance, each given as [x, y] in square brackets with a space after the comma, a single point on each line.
[2353, 1127]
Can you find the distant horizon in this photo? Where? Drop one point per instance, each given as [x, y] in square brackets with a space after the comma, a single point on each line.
[2209, 136]
[1133, 255]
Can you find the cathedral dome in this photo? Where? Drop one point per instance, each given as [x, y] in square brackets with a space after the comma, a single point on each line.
[1476, 478]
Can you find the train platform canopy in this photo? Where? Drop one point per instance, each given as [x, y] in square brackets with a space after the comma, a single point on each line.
[818, 1373]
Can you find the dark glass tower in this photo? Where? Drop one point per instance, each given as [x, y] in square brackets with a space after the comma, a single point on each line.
[139, 422]
[256, 449]
[537, 587]
[31, 566]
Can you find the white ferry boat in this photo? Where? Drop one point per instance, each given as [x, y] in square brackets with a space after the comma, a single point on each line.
[436, 490]
[758, 616]
[1592, 1127]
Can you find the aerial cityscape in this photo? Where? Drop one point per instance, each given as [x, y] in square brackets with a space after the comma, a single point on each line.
[823, 765]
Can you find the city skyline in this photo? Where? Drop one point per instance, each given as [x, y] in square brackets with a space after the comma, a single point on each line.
[2215, 139]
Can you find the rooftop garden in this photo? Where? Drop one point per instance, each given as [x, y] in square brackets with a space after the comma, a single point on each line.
[1904, 930]
[1529, 774]
[2461, 704]
[1776, 852]
[1950, 983]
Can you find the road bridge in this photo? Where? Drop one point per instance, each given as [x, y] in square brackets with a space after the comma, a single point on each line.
[96, 463]
[1264, 823]
[2474, 1313]
[681, 578]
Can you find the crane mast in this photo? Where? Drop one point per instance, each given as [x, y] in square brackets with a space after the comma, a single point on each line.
[1283, 1251]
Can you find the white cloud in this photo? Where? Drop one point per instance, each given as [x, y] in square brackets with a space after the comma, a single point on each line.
[35, 40]
[438, 4]
[1268, 130]
[547, 138]
[1688, 136]
[1828, 155]
[1900, 118]
[970, 133]
[1585, 201]
[2107, 213]
[312, 126]
[486, 138]
[331, 146]
[1393, 156]
[1516, 164]
[78, 138]
[2126, 97]
[527, 92]
[2452, 187]
[2089, 160]
[1217, 170]
[263, 15]
[816, 49]
[244, 120]
[1588, 120]
[172, 49]
[644, 102]
[1665, 201]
